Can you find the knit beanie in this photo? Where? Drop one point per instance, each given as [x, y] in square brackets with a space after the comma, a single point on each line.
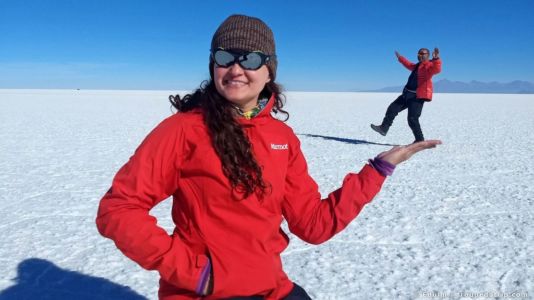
[245, 33]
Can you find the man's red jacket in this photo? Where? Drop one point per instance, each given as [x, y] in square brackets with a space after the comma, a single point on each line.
[242, 239]
[426, 70]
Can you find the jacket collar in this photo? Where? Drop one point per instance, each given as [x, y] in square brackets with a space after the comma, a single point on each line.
[262, 117]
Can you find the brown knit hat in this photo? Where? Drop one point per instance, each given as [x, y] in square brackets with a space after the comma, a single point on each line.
[245, 33]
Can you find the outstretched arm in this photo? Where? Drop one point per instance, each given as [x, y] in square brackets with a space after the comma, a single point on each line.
[316, 220]
[406, 63]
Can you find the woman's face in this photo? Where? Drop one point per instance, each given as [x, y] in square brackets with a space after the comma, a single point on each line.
[239, 86]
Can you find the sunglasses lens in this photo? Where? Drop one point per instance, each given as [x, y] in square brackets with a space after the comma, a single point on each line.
[223, 58]
[248, 61]
[252, 61]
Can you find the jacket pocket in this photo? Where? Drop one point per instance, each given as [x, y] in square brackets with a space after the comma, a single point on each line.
[180, 266]
[244, 275]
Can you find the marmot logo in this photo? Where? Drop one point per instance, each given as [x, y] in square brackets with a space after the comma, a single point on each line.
[279, 147]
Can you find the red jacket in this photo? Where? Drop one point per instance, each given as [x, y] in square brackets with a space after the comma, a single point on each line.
[241, 238]
[425, 72]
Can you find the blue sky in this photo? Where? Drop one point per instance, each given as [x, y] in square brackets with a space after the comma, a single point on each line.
[321, 45]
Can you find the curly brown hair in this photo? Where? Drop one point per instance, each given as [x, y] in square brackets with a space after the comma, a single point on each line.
[227, 136]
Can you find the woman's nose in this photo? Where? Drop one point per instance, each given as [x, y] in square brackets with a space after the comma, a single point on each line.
[235, 69]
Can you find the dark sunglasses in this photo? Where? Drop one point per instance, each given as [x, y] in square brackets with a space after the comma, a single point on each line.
[247, 60]
[423, 53]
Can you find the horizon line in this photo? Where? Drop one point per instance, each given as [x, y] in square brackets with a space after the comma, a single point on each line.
[287, 91]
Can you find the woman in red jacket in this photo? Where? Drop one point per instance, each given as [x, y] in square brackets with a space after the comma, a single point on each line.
[234, 172]
[416, 92]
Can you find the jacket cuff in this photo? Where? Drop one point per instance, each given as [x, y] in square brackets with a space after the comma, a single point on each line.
[383, 167]
[370, 174]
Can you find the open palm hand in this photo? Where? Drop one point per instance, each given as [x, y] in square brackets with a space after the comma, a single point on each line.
[398, 154]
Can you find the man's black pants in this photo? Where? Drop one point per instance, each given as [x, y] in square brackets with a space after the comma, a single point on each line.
[415, 107]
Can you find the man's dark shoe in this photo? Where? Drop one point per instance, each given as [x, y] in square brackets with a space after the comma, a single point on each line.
[379, 129]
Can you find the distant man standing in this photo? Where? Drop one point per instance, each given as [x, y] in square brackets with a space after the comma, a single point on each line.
[417, 91]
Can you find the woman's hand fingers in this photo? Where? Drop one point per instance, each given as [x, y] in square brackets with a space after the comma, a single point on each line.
[416, 147]
[398, 154]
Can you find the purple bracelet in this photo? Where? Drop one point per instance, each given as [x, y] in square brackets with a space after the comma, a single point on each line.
[383, 167]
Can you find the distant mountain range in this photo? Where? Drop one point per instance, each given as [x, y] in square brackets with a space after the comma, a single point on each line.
[447, 86]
